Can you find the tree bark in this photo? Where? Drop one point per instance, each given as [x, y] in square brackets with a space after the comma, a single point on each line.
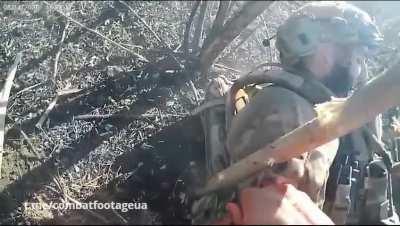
[335, 119]
[231, 30]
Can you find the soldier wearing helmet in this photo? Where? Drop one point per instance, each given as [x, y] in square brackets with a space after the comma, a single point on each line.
[325, 44]
[329, 39]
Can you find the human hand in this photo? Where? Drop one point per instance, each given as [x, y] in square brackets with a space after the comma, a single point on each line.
[277, 203]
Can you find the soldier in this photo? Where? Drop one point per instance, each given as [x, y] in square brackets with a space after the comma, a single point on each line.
[325, 44]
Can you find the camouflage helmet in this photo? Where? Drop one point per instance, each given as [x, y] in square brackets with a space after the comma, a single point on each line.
[319, 22]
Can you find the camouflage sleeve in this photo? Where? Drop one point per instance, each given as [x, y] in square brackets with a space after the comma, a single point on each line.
[273, 112]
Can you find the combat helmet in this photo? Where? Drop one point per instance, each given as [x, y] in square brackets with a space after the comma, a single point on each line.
[319, 22]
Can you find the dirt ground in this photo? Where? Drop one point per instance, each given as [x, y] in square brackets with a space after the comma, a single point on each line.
[80, 153]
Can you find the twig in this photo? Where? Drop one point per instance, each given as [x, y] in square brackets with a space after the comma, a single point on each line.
[5, 93]
[199, 26]
[66, 92]
[228, 68]
[26, 89]
[195, 91]
[47, 112]
[145, 24]
[206, 105]
[58, 54]
[140, 57]
[186, 35]
[86, 117]
[121, 115]
[28, 141]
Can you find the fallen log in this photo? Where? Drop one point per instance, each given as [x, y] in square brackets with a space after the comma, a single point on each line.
[334, 119]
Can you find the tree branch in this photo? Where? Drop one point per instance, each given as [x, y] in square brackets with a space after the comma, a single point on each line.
[218, 21]
[231, 30]
[245, 35]
[58, 54]
[199, 27]
[185, 44]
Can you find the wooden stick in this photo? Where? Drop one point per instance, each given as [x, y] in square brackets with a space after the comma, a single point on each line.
[58, 54]
[335, 119]
[47, 112]
[5, 93]
[138, 56]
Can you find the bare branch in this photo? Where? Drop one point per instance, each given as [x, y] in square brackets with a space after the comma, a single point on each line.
[244, 36]
[195, 91]
[47, 112]
[199, 27]
[186, 35]
[218, 21]
[58, 54]
[126, 115]
[221, 15]
[30, 145]
[231, 30]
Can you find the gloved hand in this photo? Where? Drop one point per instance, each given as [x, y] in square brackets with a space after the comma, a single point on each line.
[274, 203]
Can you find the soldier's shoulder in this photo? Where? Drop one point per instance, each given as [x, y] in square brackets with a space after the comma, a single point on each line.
[275, 106]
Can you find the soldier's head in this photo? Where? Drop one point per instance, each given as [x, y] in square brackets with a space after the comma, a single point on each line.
[329, 39]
